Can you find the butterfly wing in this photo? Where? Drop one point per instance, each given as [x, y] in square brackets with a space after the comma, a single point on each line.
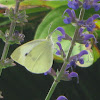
[40, 59]
[19, 54]
[36, 56]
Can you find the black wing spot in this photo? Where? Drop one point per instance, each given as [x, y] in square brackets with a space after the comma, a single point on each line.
[26, 54]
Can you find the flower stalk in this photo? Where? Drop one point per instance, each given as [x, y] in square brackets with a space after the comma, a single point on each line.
[12, 28]
[57, 80]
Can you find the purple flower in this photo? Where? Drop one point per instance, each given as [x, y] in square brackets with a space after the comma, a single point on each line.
[71, 18]
[62, 98]
[64, 35]
[68, 76]
[89, 24]
[74, 4]
[91, 3]
[81, 61]
[86, 5]
[95, 16]
[67, 20]
[60, 47]
[83, 52]
[96, 5]
[74, 59]
[60, 51]
[87, 37]
[72, 63]
[74, 74]
[65, 76]
[84, 38]
[51, 72]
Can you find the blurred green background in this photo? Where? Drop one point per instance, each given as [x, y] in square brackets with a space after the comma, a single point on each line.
[17, 83]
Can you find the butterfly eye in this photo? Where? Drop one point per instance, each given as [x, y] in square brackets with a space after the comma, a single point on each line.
[26, 54]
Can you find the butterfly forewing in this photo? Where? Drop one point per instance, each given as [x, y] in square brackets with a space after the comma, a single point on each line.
[19, 54]
[41, 57]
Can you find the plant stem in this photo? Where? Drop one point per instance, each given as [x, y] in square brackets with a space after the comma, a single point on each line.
[82, 11]
[12, 28]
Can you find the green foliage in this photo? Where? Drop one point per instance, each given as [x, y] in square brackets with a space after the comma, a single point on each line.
[52, 4]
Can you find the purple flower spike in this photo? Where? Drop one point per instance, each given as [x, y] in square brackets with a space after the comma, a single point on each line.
[67, 20]
[60, 47]
[69, 12]
[73, 13]
[83, 38]
[95, 16]
[96, 6]
[91, 3]
[61, 30]
[95, 1]
[62, 98]
[45, 73]
[83, 52]
[72, 63]
[89, 20]
[89, 24]
[81, 30]
[74, 74]
[68, 66]
[88, 36]
[86, 6]
[63, 33]
[90, 28]
[81, 61]
[71, 18]
[87, 44]
[51, 72]
[58, 52]
[73, 4]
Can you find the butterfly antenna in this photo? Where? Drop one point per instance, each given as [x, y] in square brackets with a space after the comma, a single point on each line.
[49, 28]
[49, 34]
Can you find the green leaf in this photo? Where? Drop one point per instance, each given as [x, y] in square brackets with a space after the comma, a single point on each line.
[96, 53]
[25, 3]
[8, 3]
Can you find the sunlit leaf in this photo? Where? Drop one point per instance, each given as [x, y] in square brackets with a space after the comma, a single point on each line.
[27, 3]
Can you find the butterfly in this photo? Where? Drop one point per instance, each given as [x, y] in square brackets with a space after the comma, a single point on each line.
[36, 55]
